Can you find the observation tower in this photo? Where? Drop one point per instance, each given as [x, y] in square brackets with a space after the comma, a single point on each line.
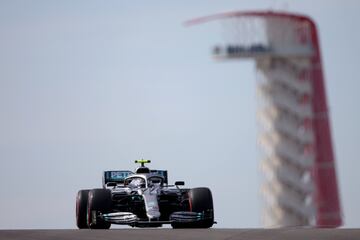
[297, 159]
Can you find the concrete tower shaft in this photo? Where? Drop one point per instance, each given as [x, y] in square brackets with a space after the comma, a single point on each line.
[285, 139]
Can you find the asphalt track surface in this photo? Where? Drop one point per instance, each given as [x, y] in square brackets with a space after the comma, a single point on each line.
[198, 234]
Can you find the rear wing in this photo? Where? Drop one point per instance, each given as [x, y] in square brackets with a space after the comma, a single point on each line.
[115, 177]
[119, 176]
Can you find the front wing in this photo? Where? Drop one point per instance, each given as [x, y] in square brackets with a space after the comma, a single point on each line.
[128, 218]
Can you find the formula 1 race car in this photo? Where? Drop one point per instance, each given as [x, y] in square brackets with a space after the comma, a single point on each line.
[143, 199]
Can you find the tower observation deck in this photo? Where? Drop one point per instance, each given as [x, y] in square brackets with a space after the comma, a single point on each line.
[297, 159]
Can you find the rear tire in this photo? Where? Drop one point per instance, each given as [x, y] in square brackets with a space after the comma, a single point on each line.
[81, 209]
[200, 200]
[99, 200]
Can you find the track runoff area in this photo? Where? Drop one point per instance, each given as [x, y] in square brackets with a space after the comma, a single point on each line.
[174, 234]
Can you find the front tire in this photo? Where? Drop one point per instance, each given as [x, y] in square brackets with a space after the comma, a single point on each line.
[81, 209]
[200, 200]
[99, 200]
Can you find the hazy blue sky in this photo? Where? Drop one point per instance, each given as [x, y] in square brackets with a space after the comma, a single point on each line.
[87, 86]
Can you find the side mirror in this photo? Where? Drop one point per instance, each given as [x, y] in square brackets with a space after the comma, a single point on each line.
[179, 183]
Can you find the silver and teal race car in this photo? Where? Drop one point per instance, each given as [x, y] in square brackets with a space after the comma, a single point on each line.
[143, 199]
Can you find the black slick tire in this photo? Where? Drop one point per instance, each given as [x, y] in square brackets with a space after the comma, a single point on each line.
[200, 200]
[99, 200]
[81, 208]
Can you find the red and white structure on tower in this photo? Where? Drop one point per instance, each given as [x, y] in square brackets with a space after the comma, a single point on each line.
[300, 187]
